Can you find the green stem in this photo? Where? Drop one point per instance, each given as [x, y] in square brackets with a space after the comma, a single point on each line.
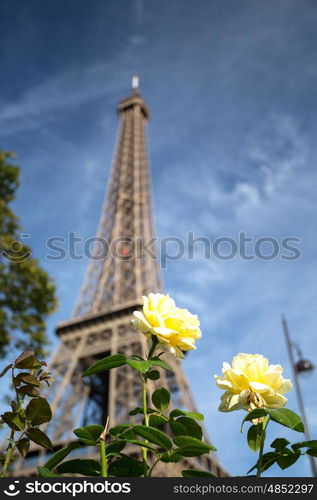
[145, 413]
[263, 427]
[144, 457]
[9, 454]
[154, 344]
[103, 459]
[144, 397]
[151, 469]
[11, 446]
[146, 420]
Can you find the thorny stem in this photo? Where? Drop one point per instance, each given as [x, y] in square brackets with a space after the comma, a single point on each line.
[103, 455]
[103, 459]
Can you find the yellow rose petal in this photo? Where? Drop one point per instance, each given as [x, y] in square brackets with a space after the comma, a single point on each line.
[250, 382]
[177, 328]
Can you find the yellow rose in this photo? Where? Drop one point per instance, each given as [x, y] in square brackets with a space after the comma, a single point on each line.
[252, 383]
[177, 329]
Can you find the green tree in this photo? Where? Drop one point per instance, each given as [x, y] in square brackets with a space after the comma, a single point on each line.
[27, 293]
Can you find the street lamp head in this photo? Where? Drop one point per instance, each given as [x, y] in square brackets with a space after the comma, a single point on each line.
[304, 366]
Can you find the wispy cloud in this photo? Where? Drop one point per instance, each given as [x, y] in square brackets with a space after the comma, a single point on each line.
[40, 104]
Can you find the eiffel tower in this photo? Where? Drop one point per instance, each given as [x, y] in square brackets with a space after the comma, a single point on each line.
[118, 275]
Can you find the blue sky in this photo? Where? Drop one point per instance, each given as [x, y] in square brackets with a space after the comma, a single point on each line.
[231, 85]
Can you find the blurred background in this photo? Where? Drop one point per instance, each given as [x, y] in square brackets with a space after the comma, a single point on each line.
[231, 86]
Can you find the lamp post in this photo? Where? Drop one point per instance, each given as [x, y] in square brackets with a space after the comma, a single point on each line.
[301, 366]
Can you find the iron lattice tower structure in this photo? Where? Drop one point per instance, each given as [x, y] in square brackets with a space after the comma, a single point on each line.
[116, 279]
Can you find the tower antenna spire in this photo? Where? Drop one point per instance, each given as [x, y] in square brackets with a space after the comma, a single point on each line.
[135, 83]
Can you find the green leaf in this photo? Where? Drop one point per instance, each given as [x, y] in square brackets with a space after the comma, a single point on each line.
[38, 411]
[25, 360]
[177, 428]
[254, 437]
[196, 473]
[44, 472]
[157, 420]
[16, 382]
[28, 390]
[114, 447]
[23, 446]
[192, 451]
[312, 452]
[126, 467]
[27, 378]
[38, 364]
[152, 375]
[186, 426]
[106, 364]
[161, 399]
[304, 444]
[140, 411]
[89, 434]
[14, 420]
[191, 447]
[288, 418]
[158, 362]
[154, 436]
[257, 413]
[38, 437]
[143, 444]
[171, 456]
[61, 454]
[279, 444]
[4, 371]
[268, 459]
[141, 366]
[288, 459]
[85, 467]
[122, 431]
[191, 414]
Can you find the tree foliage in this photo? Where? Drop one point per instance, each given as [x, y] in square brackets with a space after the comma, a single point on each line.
[27, 293]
